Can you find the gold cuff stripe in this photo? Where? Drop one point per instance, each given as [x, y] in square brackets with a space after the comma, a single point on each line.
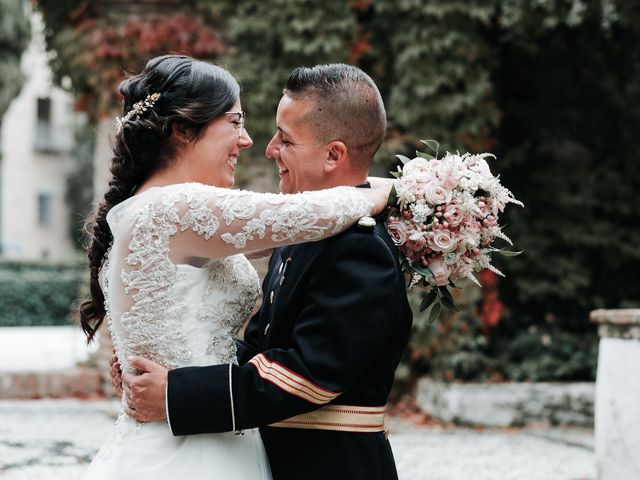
[294, 377]
[287, 387]
[290, 381]
[342, 418]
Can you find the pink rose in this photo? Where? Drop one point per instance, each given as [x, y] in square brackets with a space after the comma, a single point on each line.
[460, 269]
[416, 241]
[436, 194]
[442, 241]
[419, 169]
[453, 215]
[440, 271]
[398, 231]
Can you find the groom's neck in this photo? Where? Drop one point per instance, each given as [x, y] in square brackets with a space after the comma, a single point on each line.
[352, 180]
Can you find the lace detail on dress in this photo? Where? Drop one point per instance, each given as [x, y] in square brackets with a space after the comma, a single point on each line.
[289, 220]
[183, 221]
[152, 333]
[199, 216]
[238, 282]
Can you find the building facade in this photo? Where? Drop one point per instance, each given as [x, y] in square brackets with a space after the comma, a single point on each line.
[36, 142]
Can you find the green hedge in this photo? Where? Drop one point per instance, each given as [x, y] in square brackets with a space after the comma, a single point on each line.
[457, 348]
[38, 293]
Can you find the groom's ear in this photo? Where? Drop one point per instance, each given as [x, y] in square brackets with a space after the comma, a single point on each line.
[336, 155]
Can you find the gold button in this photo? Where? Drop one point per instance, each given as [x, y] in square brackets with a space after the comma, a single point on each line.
[271, 296]
[266, 329]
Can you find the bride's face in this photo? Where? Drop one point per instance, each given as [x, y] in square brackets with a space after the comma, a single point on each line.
[213, 157]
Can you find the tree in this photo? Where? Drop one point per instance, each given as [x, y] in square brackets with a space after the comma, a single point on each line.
[549, 86]
[14, 37]
[97, 44]
[268, 39]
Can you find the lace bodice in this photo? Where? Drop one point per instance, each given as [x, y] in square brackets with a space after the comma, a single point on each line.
[177, 287]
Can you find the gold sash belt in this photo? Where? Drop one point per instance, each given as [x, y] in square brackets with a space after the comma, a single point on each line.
[343, 418]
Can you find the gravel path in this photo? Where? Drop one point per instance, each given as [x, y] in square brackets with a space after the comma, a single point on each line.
[56, 439]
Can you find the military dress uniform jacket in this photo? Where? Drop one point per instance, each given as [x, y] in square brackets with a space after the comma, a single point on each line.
[333, 325]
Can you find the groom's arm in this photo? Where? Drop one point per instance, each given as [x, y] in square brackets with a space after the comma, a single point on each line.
[353, 302]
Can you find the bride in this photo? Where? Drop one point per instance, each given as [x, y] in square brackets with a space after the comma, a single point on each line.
[169, 238]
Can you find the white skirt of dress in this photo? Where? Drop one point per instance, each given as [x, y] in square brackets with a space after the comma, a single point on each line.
[136, 451]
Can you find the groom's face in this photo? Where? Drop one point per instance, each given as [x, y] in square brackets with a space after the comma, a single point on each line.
[297, 152]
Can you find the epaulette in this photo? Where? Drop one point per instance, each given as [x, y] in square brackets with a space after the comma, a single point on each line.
[367, 223]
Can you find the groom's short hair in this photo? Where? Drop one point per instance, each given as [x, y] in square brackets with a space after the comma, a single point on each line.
[347, 107]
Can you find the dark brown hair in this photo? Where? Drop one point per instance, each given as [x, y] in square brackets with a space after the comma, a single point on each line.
[347, 107]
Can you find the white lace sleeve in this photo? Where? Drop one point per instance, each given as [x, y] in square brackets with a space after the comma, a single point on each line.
[209, 222]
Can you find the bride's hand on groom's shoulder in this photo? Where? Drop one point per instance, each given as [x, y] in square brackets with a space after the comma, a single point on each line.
[380, 189]
[381, 182]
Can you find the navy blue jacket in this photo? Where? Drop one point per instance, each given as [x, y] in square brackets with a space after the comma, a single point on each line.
[332, 328]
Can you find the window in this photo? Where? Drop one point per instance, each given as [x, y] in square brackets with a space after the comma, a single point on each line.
[44, 110]
[45, 209]
[44, 140]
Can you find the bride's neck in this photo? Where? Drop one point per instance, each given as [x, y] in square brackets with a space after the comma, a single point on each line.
[167, 176]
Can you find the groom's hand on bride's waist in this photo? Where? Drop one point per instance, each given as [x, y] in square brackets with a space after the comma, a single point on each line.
[145, 392]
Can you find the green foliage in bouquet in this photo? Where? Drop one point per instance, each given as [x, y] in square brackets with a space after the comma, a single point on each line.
[455, 348]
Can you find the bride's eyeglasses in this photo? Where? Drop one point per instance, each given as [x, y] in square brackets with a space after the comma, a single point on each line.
[240, 123]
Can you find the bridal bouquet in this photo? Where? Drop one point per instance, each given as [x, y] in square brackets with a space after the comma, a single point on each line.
[443, 217]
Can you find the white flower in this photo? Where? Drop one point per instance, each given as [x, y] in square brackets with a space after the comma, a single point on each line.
[421, 211]
[450, 170]
[451, 258]
[482, 167]
[405, 187]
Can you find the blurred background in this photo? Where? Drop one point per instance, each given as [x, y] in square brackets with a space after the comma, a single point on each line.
[551, 87]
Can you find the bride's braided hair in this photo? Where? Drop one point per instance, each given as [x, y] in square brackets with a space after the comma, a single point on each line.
[192, 94]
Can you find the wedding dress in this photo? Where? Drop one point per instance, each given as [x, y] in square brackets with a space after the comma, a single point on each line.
[177, 291]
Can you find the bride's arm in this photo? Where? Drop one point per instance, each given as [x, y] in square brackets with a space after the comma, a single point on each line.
[210, 222]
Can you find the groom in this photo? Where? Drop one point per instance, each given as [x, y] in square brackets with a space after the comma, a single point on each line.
[317, 361]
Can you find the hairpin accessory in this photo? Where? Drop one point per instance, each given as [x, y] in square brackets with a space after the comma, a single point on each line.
[138, 109]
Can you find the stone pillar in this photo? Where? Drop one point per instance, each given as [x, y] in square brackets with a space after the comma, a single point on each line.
[617, 404]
